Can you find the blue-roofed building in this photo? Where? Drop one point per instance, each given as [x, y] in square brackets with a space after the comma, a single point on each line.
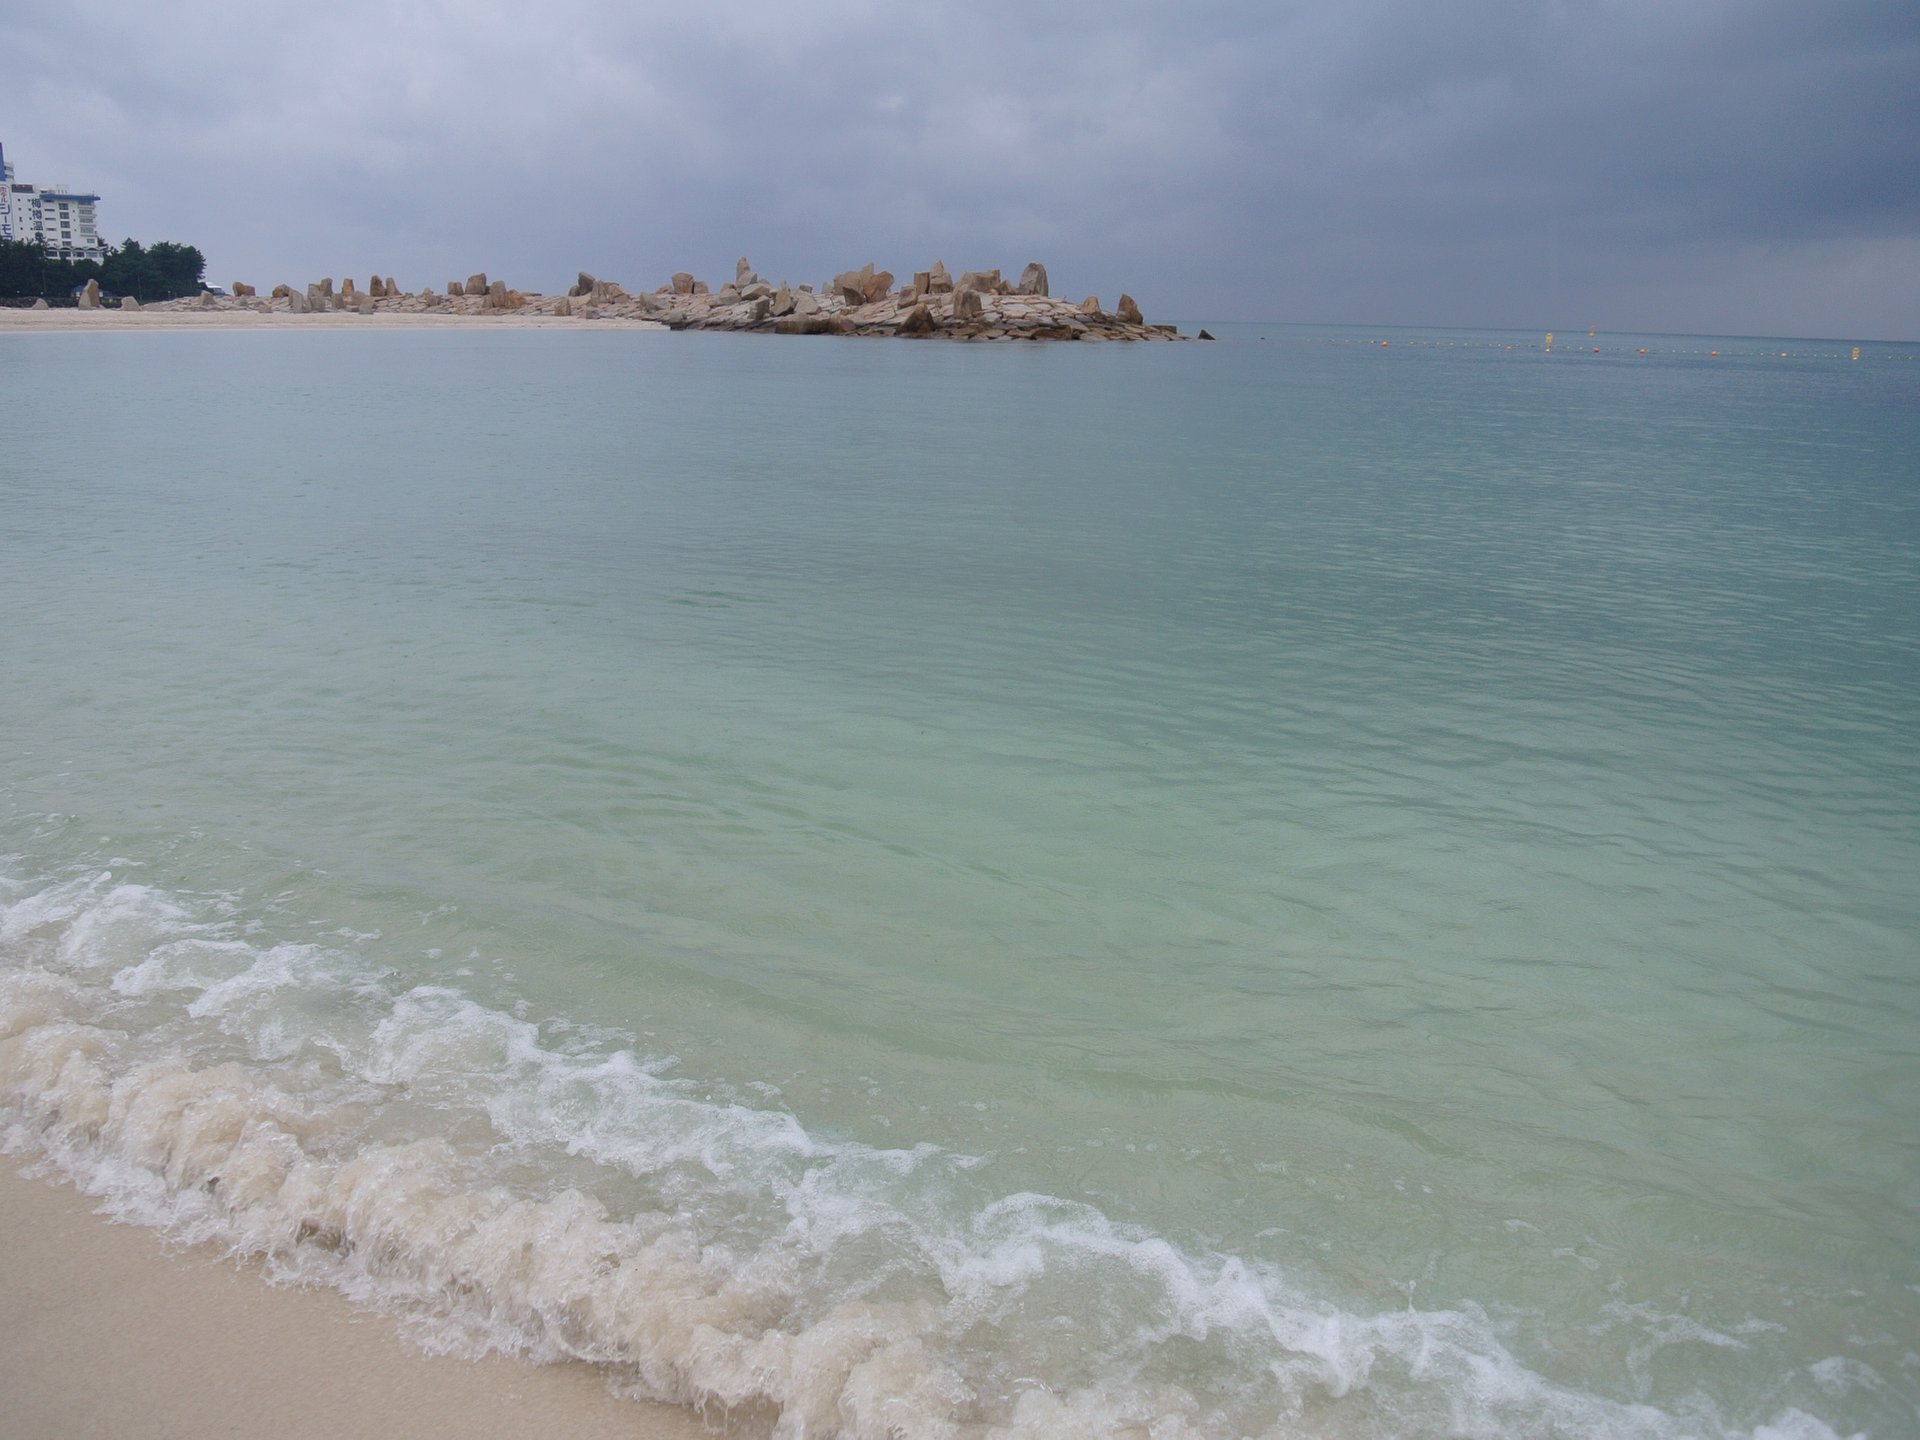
[62, 220]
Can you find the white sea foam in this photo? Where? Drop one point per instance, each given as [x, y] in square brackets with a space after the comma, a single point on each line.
[423, 1151]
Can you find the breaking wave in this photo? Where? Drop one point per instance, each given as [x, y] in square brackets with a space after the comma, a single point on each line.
[550, 1193]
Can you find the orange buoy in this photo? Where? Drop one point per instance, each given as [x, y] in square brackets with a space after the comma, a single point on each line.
[1641, 351]
[1713, 352]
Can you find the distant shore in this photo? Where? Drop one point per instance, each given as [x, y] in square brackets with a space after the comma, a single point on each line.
[932, 305]
[155, 317]
[106, 1333]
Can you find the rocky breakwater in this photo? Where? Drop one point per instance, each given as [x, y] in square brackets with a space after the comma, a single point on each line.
[980, 305]
[477, 296]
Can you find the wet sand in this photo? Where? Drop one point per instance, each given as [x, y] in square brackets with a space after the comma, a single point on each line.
[107, 1331]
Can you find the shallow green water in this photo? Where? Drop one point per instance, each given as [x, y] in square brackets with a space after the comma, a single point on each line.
[1411, 848]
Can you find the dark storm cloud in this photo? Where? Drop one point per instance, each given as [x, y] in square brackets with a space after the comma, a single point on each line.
[1731, 166]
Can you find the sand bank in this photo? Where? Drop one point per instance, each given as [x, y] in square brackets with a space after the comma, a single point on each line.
[103, 1332]
[78, 321]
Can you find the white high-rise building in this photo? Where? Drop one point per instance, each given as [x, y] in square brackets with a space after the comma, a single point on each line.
[57, 217]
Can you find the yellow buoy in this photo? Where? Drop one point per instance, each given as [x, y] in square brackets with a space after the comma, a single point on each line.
[1856, 352]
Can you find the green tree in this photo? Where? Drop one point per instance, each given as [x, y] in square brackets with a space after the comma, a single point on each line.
[165, 271]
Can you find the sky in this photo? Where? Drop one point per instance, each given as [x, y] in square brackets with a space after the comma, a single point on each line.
[1670, 165]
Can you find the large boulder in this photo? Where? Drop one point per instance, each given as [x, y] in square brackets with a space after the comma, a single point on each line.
[583, 285]
[851, 285]
[1128, 311]
[682, 283]
[241, 288]
[742, 271]
[127, 302]
[346, 287]
[1033, 279]
[393, 290]
[377, 288]
[281, 292]
[782, 301]
[939, 282]
[563, 307]
[326, 287]
[966, 305]
[878, 285]
[477, 284]
[455, 290]
[297, 302]
[41, 304]
[363, 304]
[919, 321]
[90, 295]
[985, 282]
[806, 305]
[1090, 305]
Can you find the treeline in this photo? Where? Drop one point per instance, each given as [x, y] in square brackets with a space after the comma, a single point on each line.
[165, 271]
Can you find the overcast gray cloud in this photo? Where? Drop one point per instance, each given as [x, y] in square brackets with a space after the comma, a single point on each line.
[1623, 163]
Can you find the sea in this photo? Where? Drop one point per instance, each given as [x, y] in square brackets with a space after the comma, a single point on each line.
[1335, 883]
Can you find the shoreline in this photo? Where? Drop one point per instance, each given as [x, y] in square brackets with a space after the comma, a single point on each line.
[74, 322]
[109, 1330]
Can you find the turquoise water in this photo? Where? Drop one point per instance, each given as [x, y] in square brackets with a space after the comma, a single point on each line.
[1287, 887]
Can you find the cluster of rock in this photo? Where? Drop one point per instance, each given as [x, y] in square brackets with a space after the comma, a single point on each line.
[980, 305]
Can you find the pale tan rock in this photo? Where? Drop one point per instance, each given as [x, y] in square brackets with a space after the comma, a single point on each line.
[806, 305]
[41, 304]
[878, 285]
[90, 295]
[919, 321]
[363, 304]
[966, 304]
[851, 285]
[393, 290]
[1033, 279]
[1090, 305]
[326, 288]
[742, 271]
[939, 282]
[700, 287]
[377, 288]
[563, 307]
[127, 302]
[240, 288]
[455, 290]
[297, 303]
[477, 284]
[1128, 311]
[682, 283]
[583, 285]
[782, 300]
[281, 292]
